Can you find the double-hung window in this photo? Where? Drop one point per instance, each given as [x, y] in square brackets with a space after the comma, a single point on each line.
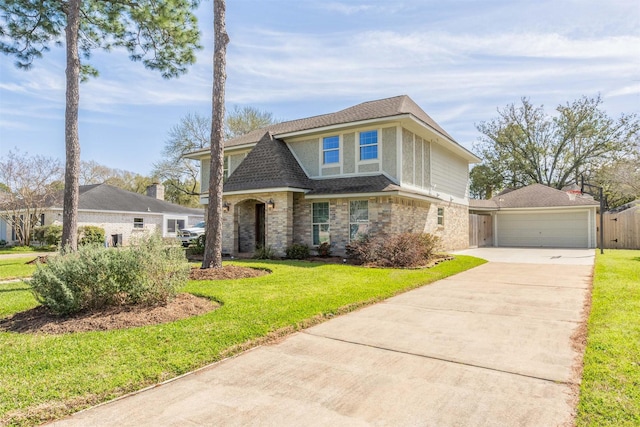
[225, 169]
[331, 149]
[320, 223]
[369, 145]
[138, 222]
[440, 216]
[358, 218]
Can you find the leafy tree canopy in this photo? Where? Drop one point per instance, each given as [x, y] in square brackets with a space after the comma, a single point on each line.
[161, 34]
[524, 145]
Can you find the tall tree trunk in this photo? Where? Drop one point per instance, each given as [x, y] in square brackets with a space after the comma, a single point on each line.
[213, 245]
[71, 137]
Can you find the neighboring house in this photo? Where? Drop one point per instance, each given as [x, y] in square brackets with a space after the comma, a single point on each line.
[536, 216]
[383, 166]
[123, 214]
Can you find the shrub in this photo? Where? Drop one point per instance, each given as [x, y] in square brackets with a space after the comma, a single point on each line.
[398, 250]
[49, 234]
[197, 248]
[298, 251]
[90, 235]
[324, 249]
[147, 272]
[3, 243]
[361, 250]
[264, 252]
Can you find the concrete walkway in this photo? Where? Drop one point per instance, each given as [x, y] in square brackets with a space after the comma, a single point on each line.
[487, 347]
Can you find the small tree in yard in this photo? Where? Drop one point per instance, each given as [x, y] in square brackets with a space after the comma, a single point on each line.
[161, 34]
[30, 185]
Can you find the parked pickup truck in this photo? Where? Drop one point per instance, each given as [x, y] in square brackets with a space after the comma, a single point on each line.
[189, 235]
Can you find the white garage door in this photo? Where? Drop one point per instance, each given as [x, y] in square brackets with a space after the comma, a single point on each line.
[559, 230]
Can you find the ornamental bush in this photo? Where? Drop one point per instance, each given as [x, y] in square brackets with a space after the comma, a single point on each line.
[398, 250]
[324, 249]
[90, 235]
[49, 234]
[298, 251]
[147, 272]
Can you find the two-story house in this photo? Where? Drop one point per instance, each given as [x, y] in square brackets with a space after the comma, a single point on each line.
[382, 166]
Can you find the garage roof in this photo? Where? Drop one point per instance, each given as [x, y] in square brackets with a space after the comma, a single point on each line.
[534, 196]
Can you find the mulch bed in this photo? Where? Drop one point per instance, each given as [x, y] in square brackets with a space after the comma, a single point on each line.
[41, 320]
[226, 272]
[39, 259]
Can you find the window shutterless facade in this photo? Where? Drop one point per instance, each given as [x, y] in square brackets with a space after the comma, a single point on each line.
[331, 149]
[440, 216]
[138, 222]
[358, 218]
[369, 145]
[320, 223]
[225, 169]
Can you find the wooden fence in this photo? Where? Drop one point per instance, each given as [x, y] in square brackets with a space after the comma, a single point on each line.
[480, 231]
[621, 229]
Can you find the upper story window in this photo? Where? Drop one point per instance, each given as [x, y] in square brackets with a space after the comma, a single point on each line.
[225, 169]
[138, 222]
[358, 218]
[369, 145]
[331, 149]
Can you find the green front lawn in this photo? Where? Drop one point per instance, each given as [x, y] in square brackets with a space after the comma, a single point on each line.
[45, 376]
[610, 389]
[11, 268]
[26, 249]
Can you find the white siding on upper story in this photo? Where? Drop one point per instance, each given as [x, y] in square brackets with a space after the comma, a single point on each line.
[307, 153]
[415, 160]
[449, 173]
[204, 175]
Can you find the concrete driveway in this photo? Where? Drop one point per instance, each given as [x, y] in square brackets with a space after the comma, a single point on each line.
[488, 347]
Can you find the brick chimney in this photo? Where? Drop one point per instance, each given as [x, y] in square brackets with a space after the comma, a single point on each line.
[156, 190]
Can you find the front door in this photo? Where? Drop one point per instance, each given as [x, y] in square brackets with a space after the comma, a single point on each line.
[260, 225]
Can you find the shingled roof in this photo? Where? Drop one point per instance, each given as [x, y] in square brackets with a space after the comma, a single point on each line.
[353, 185]
[105, 197]
[269, 165]
[388, 107]
[534, 196]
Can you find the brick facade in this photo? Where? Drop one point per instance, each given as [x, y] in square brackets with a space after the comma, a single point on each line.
[290, 221]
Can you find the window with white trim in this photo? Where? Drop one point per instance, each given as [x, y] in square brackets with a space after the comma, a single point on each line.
[138, 222]
[225, 169]
[173, 225]
[331, 149]
[358, 218]
[369, 145]
[320, 223]
[440, 216]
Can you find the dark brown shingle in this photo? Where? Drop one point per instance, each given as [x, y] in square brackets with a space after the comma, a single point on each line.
[269, 164]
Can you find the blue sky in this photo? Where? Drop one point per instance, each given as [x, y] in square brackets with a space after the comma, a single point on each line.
[458, 59]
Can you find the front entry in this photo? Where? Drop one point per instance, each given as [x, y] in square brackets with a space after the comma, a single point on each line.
[251, 225]
[260, 225]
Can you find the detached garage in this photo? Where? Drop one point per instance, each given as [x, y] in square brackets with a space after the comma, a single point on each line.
[540, 216]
